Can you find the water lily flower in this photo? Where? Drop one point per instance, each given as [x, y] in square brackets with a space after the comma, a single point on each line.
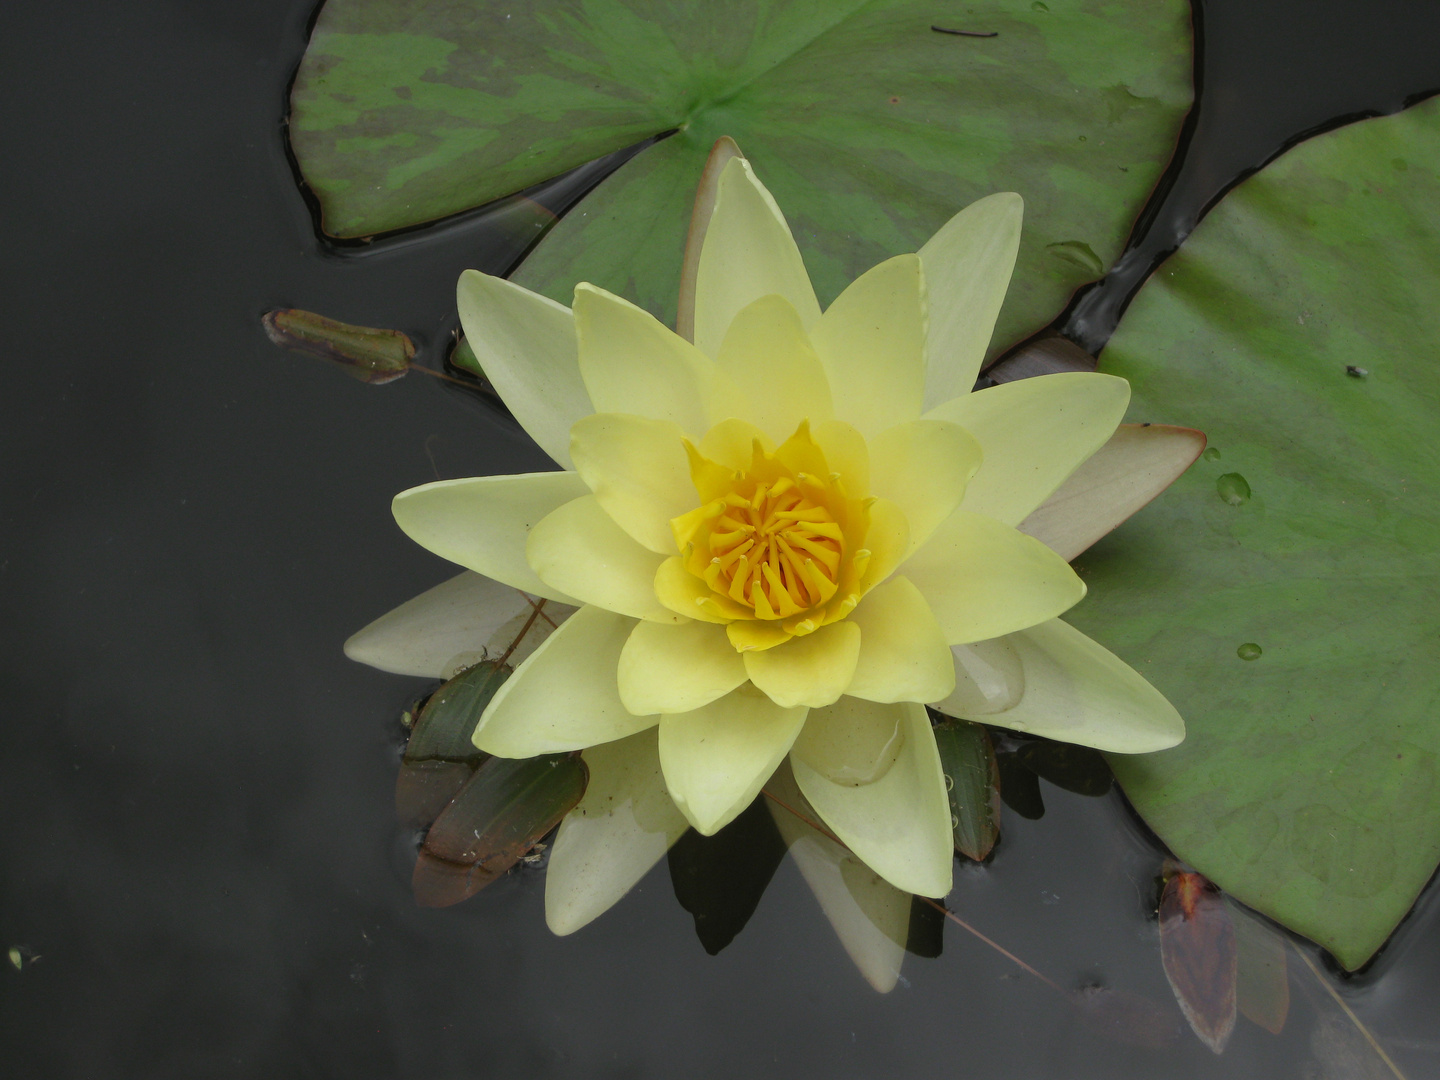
[786, 531]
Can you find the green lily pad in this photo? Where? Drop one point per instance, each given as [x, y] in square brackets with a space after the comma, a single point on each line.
[1296, 628]
[870, 127]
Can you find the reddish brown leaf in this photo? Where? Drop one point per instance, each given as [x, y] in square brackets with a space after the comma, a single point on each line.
[499, 815]
[424, 788]
[1197, 947]
[440, 883]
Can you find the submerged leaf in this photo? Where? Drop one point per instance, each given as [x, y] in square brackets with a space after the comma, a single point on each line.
[443, 729]
[1262, 989]
[403, 114]
[369, 354]
[424, 788]
[972, 778]
[1307, 784]
[719, 879]
[1197, 947]
[504, 810]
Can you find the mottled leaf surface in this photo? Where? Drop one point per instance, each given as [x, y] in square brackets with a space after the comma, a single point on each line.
[870, 128]
[1307, 784]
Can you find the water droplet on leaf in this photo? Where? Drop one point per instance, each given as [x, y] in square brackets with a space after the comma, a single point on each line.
[1211, 454]
[1233, 488]
[1248, 651]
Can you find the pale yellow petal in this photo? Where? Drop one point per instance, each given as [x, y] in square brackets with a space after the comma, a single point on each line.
[526, 346]
[748, 634]
[900, 824]
[870, 916]
[565, 697]
[672, 669]
[482, 522]
[718, 757]
[923, 467]
[767, 355]
[903, 652]
[1034, 433]
[579, 549]
[683, 593]
[731, 443]
[847, 455]
[983, 579]
[457, 623]
[852, 741]
[872, 343]
[1077, 691]
[888, 542]
[813, 670]
[631, 363]
[639, 472]
[1137, 463]
[747, 253]
[620, 829]
[967, 270]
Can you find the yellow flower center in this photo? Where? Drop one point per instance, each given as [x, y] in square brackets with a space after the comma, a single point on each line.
[779, 541]
[777, 551]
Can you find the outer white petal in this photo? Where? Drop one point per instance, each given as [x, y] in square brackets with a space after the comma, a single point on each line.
[967, 270]
[900, 824]
[870, 916]
[1137, 464]
[457, 623]
[618, 831]
[565, 696]
[1077, 691]
[526, 346]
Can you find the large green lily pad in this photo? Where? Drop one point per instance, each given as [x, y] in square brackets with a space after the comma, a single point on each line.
[1307, 785]
[870, 127]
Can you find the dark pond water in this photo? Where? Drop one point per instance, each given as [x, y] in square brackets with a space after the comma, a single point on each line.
[199, 840]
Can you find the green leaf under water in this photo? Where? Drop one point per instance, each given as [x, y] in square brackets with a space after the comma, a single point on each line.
[1297, 629]
[870, 128]
[972, 780]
